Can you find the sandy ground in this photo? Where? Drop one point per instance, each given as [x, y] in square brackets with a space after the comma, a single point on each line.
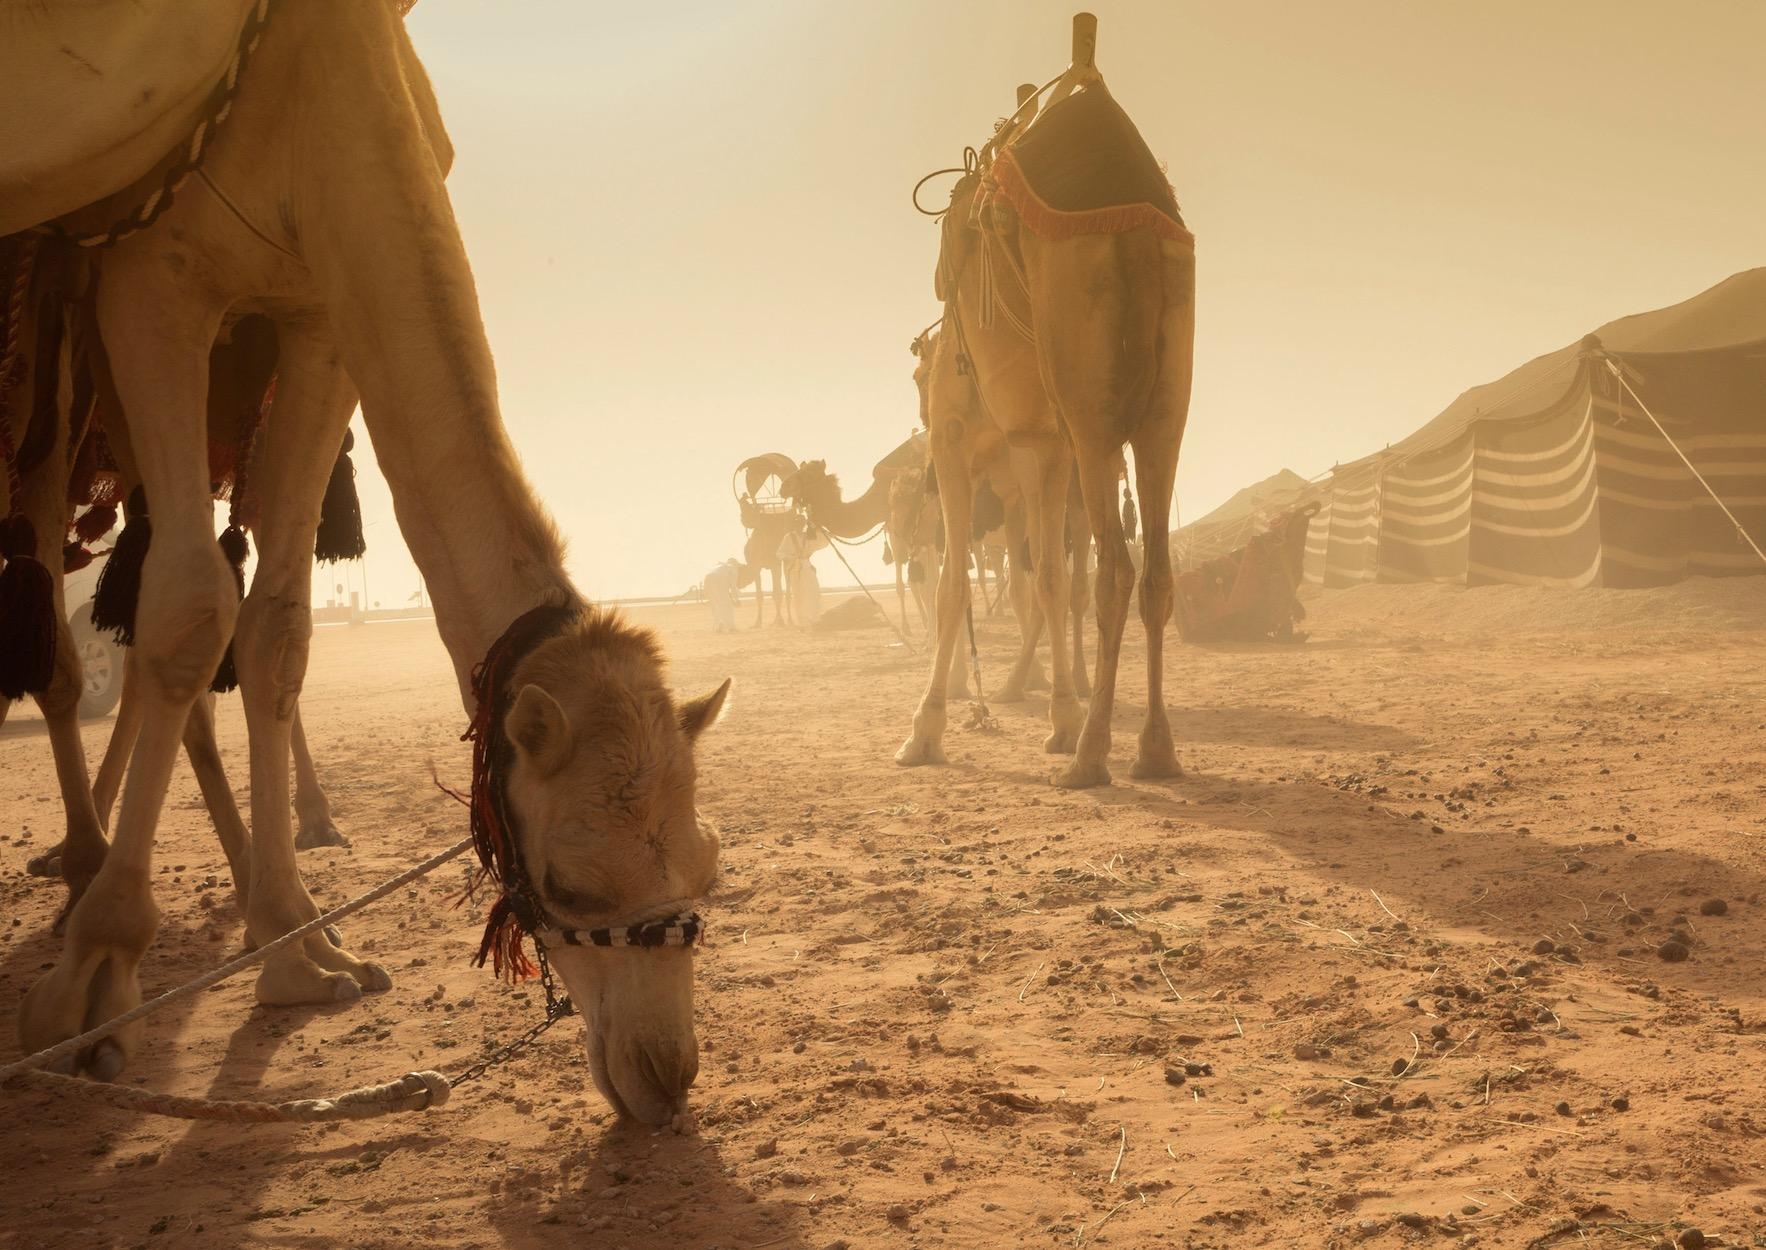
[1381, 969]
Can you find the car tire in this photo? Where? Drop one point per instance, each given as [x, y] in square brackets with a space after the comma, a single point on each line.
[101, 666]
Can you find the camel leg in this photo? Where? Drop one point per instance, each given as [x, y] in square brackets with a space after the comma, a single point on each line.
[1080, 587]
[1021, 585]
[1156, 446]
[314, 400]
[1047, 505]
[122, 741]
[1026, 674]
[204, 754]
[1155, 462]
[186, 614]
[312, 809]
[956, 680]
[43, 499]
[901, 598]
[1099, 470]
[926, 744]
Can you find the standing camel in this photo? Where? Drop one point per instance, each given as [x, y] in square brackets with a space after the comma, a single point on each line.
[1070, 316]
[321, 202]
[239, 371]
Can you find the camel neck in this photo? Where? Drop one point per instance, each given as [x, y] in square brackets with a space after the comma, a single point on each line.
[854, 518]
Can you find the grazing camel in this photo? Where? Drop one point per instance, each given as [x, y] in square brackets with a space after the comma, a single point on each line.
[1070, 316]
[321, 203]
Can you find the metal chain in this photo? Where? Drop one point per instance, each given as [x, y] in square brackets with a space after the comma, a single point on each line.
[557, 1008]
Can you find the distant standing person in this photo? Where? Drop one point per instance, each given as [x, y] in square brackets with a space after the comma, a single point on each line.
[802, 586]
[1131, 520]
[720, 593]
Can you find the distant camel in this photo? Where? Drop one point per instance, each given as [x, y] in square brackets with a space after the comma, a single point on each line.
[1069, 320]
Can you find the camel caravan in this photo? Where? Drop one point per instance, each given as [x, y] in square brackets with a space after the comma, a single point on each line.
[243, 234]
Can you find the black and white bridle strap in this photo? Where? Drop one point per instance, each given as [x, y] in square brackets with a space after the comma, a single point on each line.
[684, 930]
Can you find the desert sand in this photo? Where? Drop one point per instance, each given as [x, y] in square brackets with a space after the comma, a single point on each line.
[1381, 969]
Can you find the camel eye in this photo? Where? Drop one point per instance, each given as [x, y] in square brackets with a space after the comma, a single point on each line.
[579, 901]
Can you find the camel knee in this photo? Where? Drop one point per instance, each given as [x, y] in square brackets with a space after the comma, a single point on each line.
[67, 683]
[185, 619]
[270, 649]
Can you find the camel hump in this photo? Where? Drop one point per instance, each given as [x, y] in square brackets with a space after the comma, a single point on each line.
[141, 70]
[1084, 154]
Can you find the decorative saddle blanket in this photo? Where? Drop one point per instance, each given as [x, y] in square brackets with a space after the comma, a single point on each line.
[1083, 168]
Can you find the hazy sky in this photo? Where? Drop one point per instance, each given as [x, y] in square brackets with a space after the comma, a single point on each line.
[691, 231]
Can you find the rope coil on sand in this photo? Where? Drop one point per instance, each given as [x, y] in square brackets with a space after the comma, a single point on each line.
[415, 1091]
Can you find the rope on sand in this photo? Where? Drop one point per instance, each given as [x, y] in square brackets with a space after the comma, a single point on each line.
[414, 1091]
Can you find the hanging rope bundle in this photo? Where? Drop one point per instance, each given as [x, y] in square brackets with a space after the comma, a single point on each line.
[27, 611]
[27, 589]
[340, 516]
[119, 586]
[234, 544]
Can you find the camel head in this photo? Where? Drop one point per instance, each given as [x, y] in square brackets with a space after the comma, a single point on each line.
[601, 791]
[812, 486]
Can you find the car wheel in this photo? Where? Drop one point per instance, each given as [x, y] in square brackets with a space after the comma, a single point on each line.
[101, 666]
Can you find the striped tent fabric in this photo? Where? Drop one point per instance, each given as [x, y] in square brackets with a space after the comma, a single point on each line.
[1555, 476]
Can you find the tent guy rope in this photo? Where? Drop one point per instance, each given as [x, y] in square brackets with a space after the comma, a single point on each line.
[1691, 468]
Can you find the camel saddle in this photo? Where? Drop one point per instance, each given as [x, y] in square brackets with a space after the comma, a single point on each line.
[1080, 168]
[95, 93]
[1083, 168]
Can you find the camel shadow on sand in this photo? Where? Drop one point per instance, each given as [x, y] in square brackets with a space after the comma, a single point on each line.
[1504, 882]
[639, 1186]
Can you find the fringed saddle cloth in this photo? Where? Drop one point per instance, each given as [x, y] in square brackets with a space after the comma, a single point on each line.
[1080, 168]
[1083, 168]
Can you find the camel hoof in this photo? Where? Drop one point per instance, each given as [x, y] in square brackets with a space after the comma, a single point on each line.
[1083, 775]
[77, 992]
[106, 1061]
[1038, 680]
[374, 979]
[48, 864]
[917, 751]
[308, 987]
[320, 833]
[1156, 764]
[1012, 693]
[1061, 742]
[333, 936]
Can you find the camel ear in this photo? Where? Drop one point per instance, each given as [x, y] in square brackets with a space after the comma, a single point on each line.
[698, 715]
[539, 729]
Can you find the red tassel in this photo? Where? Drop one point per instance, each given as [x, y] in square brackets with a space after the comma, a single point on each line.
[27, 613]
[74, 557]
[95, 522]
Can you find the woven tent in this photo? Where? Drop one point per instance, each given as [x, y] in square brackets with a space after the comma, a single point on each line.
[1555, 475]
